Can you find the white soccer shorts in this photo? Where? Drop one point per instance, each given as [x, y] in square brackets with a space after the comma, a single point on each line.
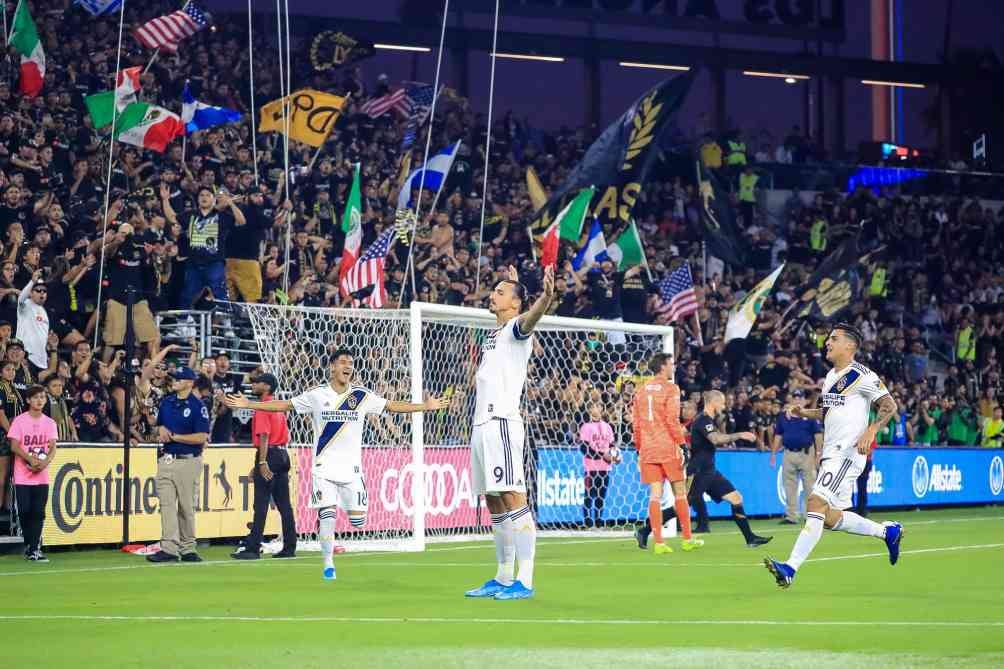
[350, 496]
[837, 479]
[497, 457]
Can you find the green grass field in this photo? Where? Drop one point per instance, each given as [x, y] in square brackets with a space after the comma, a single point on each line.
[600, 603]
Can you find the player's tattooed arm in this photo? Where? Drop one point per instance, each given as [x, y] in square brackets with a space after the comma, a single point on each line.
[528, 321]
[720, 439]
[795, 411]
[885, 409]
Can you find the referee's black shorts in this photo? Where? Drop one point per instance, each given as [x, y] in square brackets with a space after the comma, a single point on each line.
[712, 482]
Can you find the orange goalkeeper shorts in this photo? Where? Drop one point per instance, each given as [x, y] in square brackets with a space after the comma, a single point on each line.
[668, 470]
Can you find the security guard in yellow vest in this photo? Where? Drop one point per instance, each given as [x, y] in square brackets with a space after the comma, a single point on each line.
[747, 194]
[879, 286]
[817, 235]
[737, 152]
[993, 430]
[965, 342]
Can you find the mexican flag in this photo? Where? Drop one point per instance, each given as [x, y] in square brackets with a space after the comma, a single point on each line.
[626, 250]
[105, 105]
[148, 126]
[353, 229]
[567, 225]
[24, 38]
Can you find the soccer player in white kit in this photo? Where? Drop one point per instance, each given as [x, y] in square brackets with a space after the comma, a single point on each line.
[338, 411]
[497, 435]
[848, 393]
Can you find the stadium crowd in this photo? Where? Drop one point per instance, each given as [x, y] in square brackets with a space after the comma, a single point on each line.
[930, 310]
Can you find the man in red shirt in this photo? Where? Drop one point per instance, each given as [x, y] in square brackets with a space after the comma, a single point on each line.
[271, 475]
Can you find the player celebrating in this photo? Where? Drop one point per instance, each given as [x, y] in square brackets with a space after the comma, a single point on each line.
[658, 437]
[338, 411]
[497, 435]
[849, 390]
[704, 438]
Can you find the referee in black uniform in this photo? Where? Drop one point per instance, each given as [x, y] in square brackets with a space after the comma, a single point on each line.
[704, 477]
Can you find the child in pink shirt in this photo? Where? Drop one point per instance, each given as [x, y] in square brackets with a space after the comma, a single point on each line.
[33, 441]
[597, 438]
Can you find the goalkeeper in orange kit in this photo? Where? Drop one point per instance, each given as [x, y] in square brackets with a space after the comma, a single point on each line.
[659, 437]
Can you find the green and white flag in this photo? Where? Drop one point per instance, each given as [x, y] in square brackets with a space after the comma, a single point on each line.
[105, 105]
[571, 218]
[626, 251]
[743, 315]
[24, 38]
[148, 126]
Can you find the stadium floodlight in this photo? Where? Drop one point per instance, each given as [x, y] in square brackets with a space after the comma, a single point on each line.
[655, 66]
[777, 75]
[899, 84]
[402, 47]
[522, 56]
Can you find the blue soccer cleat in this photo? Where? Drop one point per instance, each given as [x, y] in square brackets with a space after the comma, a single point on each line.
[329, 574]
[783, 573]
[893, 535]
[489, 589]
[515, 591]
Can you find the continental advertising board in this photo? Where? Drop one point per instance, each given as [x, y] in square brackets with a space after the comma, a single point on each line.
[85, 495]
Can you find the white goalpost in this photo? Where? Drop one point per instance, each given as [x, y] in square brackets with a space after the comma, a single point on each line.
[417, 467]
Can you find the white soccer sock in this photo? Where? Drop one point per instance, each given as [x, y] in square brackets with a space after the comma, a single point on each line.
[524, 532]
[505, 549]
[807, 540]
[854, 524]
[326, 536]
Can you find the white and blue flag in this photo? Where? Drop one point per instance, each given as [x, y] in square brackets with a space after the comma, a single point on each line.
[594, 250]
[199, 116]
[436, 170]
[100, 7]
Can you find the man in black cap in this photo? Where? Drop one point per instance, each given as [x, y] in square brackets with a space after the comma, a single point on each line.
[183, 430]
[271, 474]
[802, 439]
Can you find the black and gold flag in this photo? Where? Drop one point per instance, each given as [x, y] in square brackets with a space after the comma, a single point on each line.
[721, 233]
[330, 49]
[836, 284]
[618, 162]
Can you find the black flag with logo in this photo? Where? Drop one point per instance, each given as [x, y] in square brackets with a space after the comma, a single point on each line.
[721, 233]
[836, 284]
[331, 49]
[618, 162]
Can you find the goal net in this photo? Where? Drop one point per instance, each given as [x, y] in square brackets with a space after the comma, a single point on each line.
[417, 467]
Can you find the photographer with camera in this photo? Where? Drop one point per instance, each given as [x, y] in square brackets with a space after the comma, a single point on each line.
[128, 263]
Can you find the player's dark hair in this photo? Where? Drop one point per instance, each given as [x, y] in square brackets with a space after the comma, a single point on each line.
[518, 288]
[339, 352]
[32, 391]
[851, 332]
[658, 361]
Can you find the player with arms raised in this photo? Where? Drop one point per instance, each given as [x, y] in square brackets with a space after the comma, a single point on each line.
[659, 438]
[848, 393]
[338, 411]
[497, 435]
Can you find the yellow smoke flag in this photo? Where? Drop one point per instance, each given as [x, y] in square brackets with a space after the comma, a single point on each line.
[312, 115]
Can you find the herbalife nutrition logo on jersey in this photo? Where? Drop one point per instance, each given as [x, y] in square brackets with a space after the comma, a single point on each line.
[936, 478]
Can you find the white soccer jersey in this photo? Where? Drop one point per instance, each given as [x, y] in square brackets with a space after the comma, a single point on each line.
[338, 420]
[501, 376]
[847, 396]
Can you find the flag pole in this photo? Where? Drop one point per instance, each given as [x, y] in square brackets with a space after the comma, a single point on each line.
[153, 59]
[644, 258]
[254, 127]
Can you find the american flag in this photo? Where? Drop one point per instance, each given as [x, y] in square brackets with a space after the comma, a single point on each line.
[676, 291]
[398, 101]
[368, 270]
[420, 103]
[164, 32]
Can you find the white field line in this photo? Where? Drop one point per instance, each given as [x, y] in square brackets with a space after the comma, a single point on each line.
[509, 621]
[312, 563]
